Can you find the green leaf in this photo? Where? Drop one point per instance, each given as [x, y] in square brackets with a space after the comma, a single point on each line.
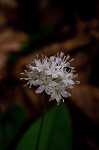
[10, 122]
[56, 131]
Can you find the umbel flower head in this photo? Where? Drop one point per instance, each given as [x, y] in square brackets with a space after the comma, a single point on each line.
[53, 75]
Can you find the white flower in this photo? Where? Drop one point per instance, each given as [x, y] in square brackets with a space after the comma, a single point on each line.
[41, 64]
[32, 78]
[44, 83]
[58, 92]
[53, 70]
[52, 75]
[67, 79]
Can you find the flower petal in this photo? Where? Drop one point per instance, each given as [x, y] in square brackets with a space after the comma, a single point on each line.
[40, 89]
[65, 94]
[48, 90]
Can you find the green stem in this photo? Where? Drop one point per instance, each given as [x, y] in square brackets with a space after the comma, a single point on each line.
[41, 125]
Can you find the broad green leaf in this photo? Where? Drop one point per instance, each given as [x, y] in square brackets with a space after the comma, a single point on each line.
[10, 122]
[56, 131]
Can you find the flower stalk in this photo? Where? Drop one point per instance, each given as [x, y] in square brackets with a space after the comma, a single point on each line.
[41, 124]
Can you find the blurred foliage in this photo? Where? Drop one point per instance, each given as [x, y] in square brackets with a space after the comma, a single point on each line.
[32, 45]
[10, 122]
[56, 131]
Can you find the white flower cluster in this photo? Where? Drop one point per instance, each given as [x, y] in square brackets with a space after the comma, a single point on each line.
[53, 75]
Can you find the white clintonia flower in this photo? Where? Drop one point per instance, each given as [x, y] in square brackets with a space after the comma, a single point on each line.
[53, 75]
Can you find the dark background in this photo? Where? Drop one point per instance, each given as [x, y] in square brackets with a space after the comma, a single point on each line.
[48, 27]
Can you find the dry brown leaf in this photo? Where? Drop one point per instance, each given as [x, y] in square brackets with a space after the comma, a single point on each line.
[86, 97]
[66, 47]
[11, 40]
